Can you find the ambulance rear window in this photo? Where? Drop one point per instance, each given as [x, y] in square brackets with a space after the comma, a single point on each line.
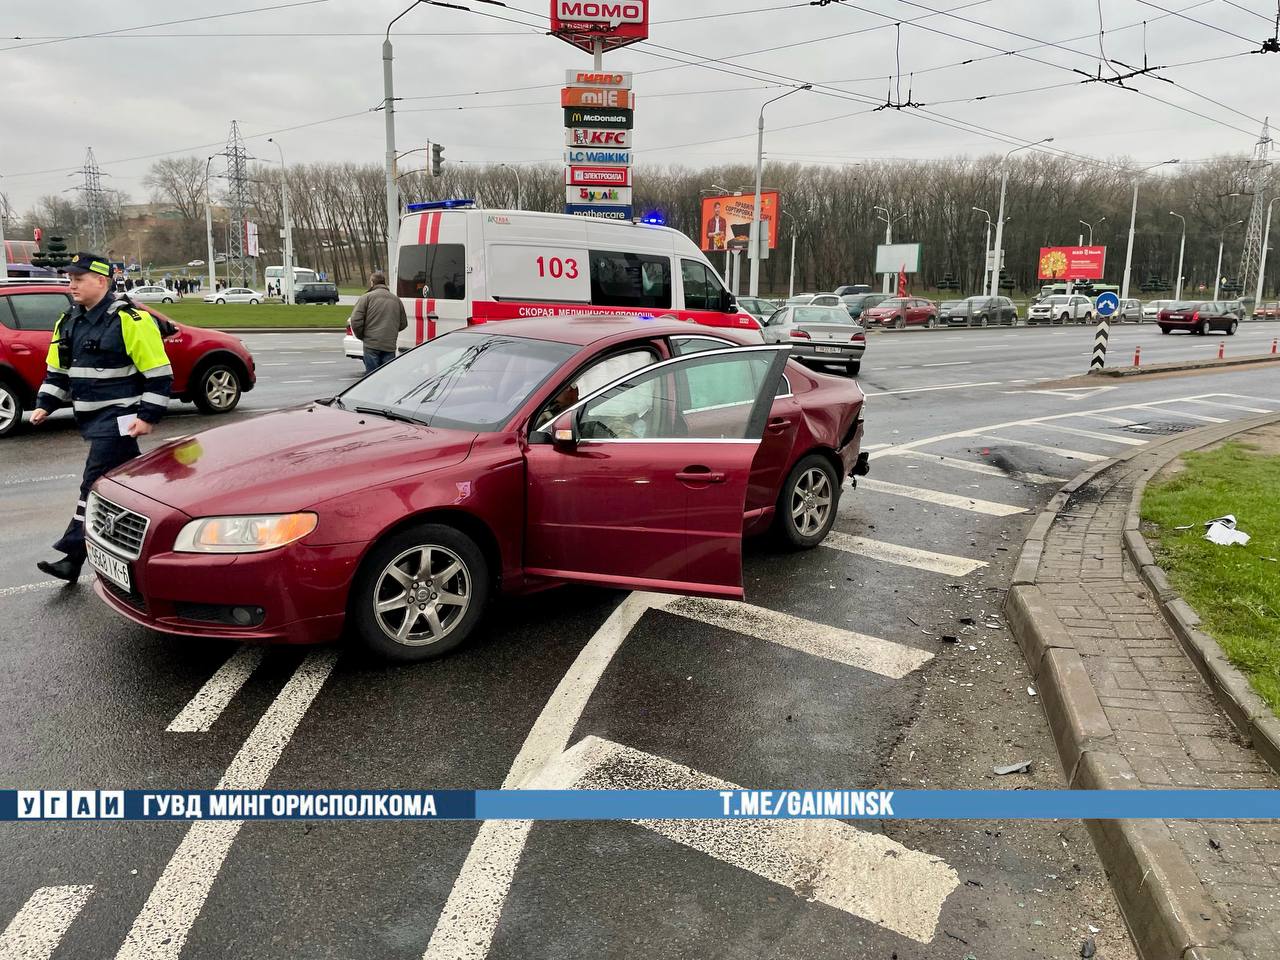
[630, 280]
[436, 270]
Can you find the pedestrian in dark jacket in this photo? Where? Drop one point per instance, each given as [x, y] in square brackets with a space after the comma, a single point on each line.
[377, 320]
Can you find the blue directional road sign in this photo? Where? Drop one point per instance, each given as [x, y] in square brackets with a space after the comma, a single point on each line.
[1107, 304]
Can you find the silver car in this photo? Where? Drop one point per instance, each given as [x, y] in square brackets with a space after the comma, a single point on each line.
[152, 294]
[1130, 311]
[819, 335]
[1151, 309]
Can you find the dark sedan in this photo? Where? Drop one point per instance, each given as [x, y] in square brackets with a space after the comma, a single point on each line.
[978, 312]
[625, 452]
[1198, 316]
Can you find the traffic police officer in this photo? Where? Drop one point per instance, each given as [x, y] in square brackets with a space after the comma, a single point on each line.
[107, 360]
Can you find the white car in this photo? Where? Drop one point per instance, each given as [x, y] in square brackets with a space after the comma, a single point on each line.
[195, 263]
[1061, 309]
[153, 294]
[351, 347]
[234, 295]
[1151, 309]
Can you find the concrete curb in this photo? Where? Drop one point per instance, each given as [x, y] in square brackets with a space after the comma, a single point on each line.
[1247, 711]
[1153, 368]
[1162, 899]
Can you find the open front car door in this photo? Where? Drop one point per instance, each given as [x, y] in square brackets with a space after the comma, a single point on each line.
[642, 485]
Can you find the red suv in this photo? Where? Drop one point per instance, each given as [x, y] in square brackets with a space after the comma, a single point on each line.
[210, 369]
[902, 312]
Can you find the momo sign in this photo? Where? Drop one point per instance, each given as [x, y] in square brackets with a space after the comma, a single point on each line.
[1072, 263]
[609, 23]
[601, 139]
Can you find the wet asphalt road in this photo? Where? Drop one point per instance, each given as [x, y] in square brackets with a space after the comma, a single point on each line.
[699, 690]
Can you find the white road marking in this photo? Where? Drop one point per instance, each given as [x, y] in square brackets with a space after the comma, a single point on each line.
[1094, 435]
[957, 502]
[273, 364]
[1056, 451]
[16, 481]
[1229, 406]
[941, 386]
[220, 689]
[37, 929]
[883, 657]
[949, 363]
[983, 468]
[862, 873]
[1241, 396]
[470, 916]
[296, 381]
[39, 585]
[1118, 421]
[903, 556]
[1182, 413]
[161, 928]
[868, 447]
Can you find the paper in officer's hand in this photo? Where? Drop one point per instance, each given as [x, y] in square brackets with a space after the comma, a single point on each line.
[125, 422]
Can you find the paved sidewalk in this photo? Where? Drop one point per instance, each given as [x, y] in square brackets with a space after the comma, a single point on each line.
[1151, 722]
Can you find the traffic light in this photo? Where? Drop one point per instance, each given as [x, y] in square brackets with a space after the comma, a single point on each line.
[437, 159]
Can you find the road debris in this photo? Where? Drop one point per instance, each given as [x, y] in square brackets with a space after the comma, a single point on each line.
[1008, 768]
[1223, 532]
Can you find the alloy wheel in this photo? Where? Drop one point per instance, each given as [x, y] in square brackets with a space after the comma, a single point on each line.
[811, 502]
[221, 388]
[8, 409]
[422, 595]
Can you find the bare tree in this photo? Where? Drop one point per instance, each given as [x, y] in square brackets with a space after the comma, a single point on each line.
[178, 181]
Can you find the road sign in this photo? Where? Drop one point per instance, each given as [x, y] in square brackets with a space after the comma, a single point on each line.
[1107, 304]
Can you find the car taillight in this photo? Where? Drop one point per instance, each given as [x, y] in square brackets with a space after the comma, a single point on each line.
[801, 335]
[349, 333]
[1195, 315]
[859, 337]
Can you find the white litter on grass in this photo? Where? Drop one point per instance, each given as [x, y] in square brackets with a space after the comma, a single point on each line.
[1223, 532]
[1031, 691]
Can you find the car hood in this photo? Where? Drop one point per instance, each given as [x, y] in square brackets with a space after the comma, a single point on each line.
[288, 461]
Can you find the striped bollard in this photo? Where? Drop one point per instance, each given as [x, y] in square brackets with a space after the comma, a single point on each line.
[1222, 349]
[1137, 356]
[1100, 338]
[1273, 344]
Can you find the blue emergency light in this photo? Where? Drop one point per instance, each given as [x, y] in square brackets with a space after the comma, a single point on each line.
[437, 205]
[654, 218]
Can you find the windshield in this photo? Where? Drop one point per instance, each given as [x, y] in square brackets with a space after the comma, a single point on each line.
[820, 315]
[890, 304]
[460, 381]
[1186, 305]
[801, 298]
[954, 304]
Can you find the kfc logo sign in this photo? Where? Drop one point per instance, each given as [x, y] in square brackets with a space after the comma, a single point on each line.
[614, 139]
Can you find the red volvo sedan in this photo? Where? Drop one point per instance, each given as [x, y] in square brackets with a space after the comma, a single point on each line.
[624, 452]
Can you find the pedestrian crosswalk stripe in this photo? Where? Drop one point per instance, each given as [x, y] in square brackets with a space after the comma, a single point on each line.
[986, 469]
[857, 871]
[1229, 406]
[218, 692]
[902, 556]
[1056, 451]
[36, 930]
[972, 504]
[883, 657]
[1094, 435]
[1118, 421]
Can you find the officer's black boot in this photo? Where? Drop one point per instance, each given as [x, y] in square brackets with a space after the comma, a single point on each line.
[68, 568]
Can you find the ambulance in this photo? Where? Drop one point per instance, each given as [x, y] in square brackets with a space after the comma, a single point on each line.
[460, 264]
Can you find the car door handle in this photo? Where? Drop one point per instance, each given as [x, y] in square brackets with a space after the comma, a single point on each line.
[699, 474]
[21, 348]
[778, 424]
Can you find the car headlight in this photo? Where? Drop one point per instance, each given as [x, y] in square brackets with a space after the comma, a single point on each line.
[243, 534]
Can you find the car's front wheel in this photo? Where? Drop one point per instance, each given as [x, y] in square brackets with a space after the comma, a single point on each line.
[1164, 329]
[217, 389]
[807, 504]
[10, 408]
[253, 300]
[900, 323]
[1088, 318]
[166, 300]
[1231, 330]
[420, 593]
[220, 300]
[932, 322]
[982, 320]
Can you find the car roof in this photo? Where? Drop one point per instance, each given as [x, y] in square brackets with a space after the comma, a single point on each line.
[587, 329]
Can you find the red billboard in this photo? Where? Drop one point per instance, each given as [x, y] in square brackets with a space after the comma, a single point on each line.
[599, 176]
[612, 23]
[726, 221]
[1072, 263]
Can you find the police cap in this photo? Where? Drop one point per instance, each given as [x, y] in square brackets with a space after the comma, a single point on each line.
[89, 263]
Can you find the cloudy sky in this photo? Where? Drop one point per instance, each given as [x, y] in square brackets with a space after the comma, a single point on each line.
[487, 88]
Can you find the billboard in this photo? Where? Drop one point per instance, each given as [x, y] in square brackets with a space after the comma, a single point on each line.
[597, 97]
[1072, 263]
[594, 78]
[597, 211]
[726, 221]
[611, 118]
[898, 258]
[594, 196]
[599, 176]
[604, 139]
[612, 23]
[613, 158]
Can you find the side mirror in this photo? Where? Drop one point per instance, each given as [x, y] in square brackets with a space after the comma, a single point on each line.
[727, 303]
[564, 432]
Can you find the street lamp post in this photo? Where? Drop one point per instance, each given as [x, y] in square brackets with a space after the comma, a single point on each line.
[389, 116]
[208, 229]
[519, 189]
[4, 257]
[1262, 260]
[288, 226]
[986, 244]
[889, 221]
[1090, 226]
[1133, 222]
[1222, 239]
[1182, 249]
[1004, 185]
[754, 252]
[791, 281]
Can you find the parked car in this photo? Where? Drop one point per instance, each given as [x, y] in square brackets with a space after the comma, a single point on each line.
[1061, 309]
[848, 288]
[1198, 316]
[152, 294]
[1267, 310]
[1151, 309]
[978, 311]
[1234, 307]
[210, 369]
[316, 293]
[1130, 311]
[825, 335]
[900, 312]
[813, 299]
[855, 303]
[234, 295]
[392, 513]
[756, 306]
[195, 263]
